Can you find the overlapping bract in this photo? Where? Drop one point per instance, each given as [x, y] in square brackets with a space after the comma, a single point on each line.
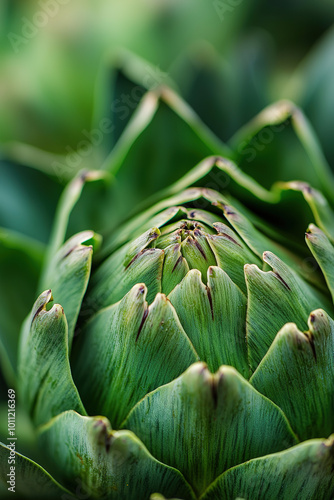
[204, 339]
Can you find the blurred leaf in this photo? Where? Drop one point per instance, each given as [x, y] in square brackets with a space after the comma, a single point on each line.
[180, 140]
[20, 265]
[226, 91]
[28, 200]
[311, 87]
[31, 480]
[280, 144]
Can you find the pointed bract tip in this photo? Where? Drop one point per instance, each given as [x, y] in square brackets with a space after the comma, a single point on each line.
[140, 289]
[102, 431]
[317, 317]
[41, 303]
[249, 268]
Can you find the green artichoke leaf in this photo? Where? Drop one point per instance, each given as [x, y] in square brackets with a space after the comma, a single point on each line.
[133, 348]
[122, 81]
[297, 374]
[45, 380]
[218, 173]
[203, 424]
[153, 112]
[108, 464]
[31, 480]
[232, 254]
[274, 298]
[323, 251]
[20, 264]
[317, 70]
[303, 472]
[133, 263]
[180, 139]
[263, 141]
[203, 76]
[68, 274]
[69, 198]
[322, 211]
[214, 318]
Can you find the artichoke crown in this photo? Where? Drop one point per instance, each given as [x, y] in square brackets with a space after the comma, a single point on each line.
[202, 337]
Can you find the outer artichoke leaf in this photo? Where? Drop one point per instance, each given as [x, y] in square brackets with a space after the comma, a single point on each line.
[297, 374]
[317, 69]
[108, 464]
[69, 198]
[322, 212]
[133, 349]
[312, 146]
[134, 262]
[323, 251]
[45, 381]
[275, 298]
[214, 318]
[68, 275]
[180, 139]
[264, 139]
[140, 119]
[303, 472]
[122, 81]
[20, 265]
[217, 173]
[203, 424]
[31, 480]
[204, 75]
[232, 254]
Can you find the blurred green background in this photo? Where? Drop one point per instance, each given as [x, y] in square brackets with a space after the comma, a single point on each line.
[228, 58]
[73, 81]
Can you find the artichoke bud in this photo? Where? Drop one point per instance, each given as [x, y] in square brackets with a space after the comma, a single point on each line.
[194, 328]
[161, 258]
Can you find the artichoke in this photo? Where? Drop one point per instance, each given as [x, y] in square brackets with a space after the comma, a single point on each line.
[193, 356]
